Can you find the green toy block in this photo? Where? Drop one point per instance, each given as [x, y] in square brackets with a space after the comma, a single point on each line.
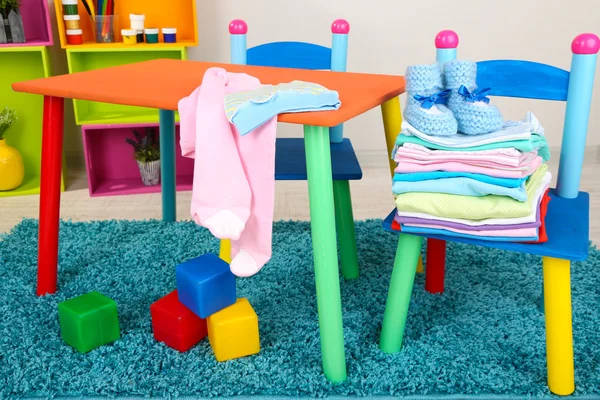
[88, 321]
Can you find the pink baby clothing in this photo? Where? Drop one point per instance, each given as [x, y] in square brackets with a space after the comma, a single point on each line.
[233, 192]
[526, 168]
[503, 157]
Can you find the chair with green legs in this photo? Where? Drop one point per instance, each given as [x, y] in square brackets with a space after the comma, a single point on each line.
[567, 216]
[290, 158]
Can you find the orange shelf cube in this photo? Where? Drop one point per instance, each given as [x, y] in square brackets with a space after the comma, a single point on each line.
[180, 14]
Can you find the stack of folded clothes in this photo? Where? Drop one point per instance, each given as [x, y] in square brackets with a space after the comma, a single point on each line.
[461, 169]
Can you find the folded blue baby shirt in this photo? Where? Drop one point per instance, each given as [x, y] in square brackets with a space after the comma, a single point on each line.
[249, 109]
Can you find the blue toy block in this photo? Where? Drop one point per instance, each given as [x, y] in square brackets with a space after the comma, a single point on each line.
[205, 285]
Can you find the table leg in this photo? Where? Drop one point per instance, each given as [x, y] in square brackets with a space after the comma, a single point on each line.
[167, 164]
[52, 146]
[392, 124]
[559, 325]
[327, 281]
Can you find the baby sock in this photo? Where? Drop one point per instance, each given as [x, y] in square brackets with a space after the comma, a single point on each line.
[469, 104]
[257, 151]
[425, 109]
[221, 194]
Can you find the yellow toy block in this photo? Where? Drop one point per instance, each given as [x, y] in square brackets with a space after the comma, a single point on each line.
[233, 331]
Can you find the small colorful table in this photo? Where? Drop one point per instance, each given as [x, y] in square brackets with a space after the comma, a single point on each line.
[161, 84]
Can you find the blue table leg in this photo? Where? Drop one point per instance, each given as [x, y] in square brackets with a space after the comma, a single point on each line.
[167, 164]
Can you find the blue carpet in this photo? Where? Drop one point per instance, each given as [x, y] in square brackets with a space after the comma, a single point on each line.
[483, 336]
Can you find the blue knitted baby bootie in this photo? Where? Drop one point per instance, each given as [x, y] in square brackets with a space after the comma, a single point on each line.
[425, 109]
[468, 103]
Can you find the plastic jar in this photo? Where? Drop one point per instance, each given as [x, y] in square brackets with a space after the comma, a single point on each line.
[140, 36]
[129, 36]
[137, 21]
[169, 35]
[151, 35]
[71, 22]
[74, 36]
[70, 7]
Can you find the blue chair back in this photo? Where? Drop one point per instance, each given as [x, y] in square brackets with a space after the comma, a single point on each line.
[299, 55]
[532, 80]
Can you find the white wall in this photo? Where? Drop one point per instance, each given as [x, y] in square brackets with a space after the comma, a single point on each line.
[388, 35]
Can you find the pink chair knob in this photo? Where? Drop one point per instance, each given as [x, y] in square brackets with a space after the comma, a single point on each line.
[238, 27]
[586, 43]
[340, 26]
[446, 39]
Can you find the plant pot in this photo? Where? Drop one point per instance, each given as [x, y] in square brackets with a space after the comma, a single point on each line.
[150, 172]
[12, 170]
[12, 28]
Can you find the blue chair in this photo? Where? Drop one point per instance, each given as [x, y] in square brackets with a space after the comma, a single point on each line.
[290, 159]
[567, 218]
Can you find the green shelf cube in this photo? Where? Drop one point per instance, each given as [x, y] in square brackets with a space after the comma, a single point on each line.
[89, 321]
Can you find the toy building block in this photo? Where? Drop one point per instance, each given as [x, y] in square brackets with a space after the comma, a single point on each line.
[205, 285]
[175, 325]
[233, 332]
[88, 321]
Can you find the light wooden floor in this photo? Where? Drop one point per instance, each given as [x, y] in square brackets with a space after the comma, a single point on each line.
[371, 198]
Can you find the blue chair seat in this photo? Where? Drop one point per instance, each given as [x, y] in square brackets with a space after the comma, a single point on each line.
[567, 227]
[290, 161]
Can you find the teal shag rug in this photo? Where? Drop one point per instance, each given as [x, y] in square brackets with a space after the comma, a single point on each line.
[483, 337]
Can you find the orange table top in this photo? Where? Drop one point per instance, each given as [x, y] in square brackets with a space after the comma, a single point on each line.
[162, 83]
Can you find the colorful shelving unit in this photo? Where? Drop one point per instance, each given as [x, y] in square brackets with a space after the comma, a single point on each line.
[20, 62]
[90, 58]
[111, 168]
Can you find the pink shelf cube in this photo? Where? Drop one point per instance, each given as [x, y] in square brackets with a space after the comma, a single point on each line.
[36, 24]
[111, 168]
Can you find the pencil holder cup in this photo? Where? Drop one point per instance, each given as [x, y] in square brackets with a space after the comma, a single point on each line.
[106, 28]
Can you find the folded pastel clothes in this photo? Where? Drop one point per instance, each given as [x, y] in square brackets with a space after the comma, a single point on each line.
[475, 208]
[459, 186]
[540, 233]
[529, 166]
[444, 232]
[249, 109]
[477, 228]
[534, 142]
[504, 157]
[511, 130]
[523, 232]
[517, 230]
[435, 175]
[541, 212]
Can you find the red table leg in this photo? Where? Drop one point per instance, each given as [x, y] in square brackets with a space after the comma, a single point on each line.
[436, 263]
[52, 145]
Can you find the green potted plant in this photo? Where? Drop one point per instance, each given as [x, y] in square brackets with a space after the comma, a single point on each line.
[147, 154]
[12, 169]
[11, 29]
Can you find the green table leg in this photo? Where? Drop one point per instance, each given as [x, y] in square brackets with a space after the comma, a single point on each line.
[344, 222]
[398, 300]
[167, 164]
[322, 219]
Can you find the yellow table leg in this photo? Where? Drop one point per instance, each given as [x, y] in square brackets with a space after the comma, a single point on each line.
[559, 329]
[392, 122]
[225, 251]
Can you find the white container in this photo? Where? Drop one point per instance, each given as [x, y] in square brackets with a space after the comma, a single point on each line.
[71, 17]
[137, 21]
[70, 2]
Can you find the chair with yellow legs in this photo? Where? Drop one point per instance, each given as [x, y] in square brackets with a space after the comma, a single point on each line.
[567, 218]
